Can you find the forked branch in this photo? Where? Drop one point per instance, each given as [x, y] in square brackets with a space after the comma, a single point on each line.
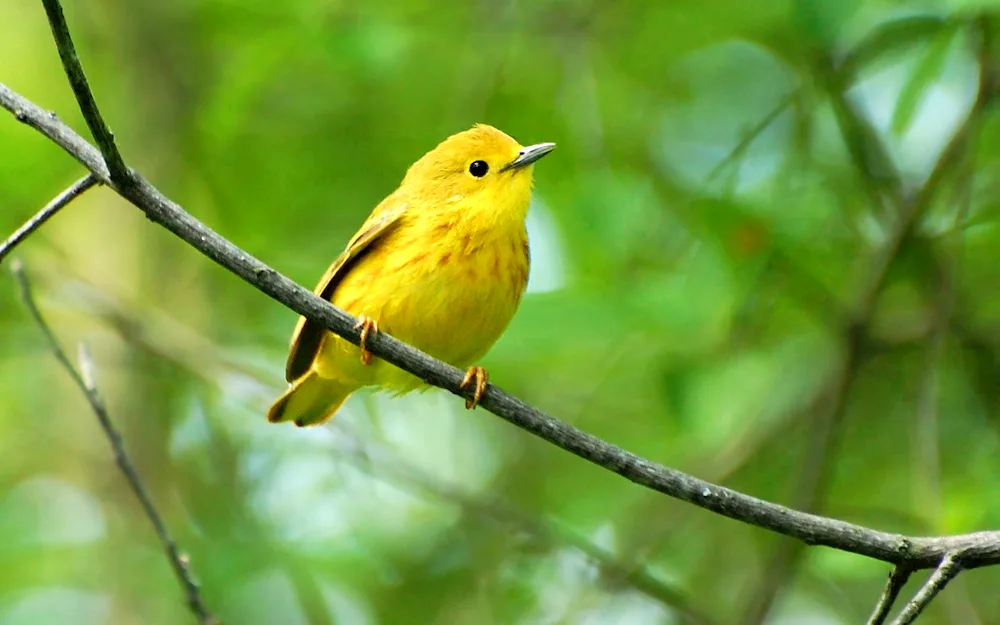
[945, 572]
[910, 553]
[981, 548]
[81, 89]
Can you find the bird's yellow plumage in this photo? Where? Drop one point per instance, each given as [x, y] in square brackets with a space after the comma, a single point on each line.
[441, 264]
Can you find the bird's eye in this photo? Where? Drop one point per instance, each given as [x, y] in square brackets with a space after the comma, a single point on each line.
[479, 168]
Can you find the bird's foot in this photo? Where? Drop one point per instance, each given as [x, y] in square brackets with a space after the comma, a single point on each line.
[367, 326]
[479, 375]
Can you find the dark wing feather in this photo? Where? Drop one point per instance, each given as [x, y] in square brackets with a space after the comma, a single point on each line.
[308, 336]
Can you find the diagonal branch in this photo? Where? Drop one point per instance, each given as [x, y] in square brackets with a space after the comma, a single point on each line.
[978, 549]
[945, 572]
[897, 579]
[85, 379]
[750, 135]
[867, 152]
[53, 207]
[81, 89]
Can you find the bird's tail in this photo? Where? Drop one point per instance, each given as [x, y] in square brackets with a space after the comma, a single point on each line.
[310, 400]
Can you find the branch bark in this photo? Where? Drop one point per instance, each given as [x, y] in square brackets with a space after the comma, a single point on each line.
[979, 548]
[976, 549]
[81, 89]
[46, 213]
[945, 572]
[85, 378]
[897, 579]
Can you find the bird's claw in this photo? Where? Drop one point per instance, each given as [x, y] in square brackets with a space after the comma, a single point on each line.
[481, 378]
[367, 326]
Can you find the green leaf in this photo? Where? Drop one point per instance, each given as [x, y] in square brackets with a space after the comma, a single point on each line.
[924, 75]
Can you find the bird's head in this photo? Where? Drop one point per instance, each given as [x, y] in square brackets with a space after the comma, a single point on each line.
[479, 170]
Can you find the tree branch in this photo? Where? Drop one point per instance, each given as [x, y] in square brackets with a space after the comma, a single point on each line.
[897, 579]
[867, 152]
[81, 89]
[944, 573]
[86, 380]
[53, 207]
[979, 548]
[750, 135]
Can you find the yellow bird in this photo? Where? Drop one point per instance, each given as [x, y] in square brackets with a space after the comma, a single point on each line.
[441, 264]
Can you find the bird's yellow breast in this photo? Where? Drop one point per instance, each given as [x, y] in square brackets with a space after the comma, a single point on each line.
[448, 287]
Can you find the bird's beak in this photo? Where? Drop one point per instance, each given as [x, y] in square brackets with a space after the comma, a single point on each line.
[529, 155]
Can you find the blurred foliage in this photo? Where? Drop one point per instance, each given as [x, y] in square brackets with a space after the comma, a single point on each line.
[697, 239]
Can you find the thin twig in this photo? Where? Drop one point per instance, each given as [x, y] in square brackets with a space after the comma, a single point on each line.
[53, 207]
[868, 153]
[85, 98]
[945, 572]
[751, 134]
[897, 579]
[979, 548]
[85, 379]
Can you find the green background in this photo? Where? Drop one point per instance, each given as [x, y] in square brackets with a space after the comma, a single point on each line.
[692, 270]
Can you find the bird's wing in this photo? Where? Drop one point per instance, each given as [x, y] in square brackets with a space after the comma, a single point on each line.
[308, 336]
